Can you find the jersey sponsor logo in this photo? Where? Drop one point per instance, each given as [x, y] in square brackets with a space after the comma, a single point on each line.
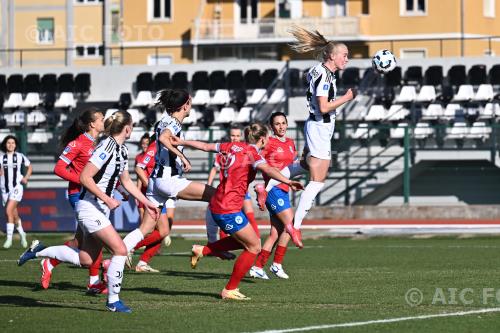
[273, 207]
[281, 202]
[228, 227]
[280, 150]
[102, 156]
[326, 86]
[66, 150]
[151, 153]
[238, 220]
[72, 144]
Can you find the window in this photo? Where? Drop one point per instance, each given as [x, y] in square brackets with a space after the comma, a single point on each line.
[115, 26]
[88, 1]
[248, 10]
[334, 8]
[88, 51]
[413, 7]
[489, 8]
[45, 29]
[365, 7]
[161, 59]
[413, 53]
[160, 9]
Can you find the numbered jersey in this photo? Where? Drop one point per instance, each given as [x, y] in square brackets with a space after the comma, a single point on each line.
[11, 165]
[279, 154]
[238, 164]
[112, 160]
[167, 164]
[321, 82]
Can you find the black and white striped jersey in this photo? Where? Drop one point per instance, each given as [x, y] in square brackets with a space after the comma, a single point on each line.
[167, 164]
[11, 165]
[112, 160]
[322, 82]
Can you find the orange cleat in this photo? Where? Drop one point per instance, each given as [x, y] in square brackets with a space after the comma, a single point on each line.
[197, 254]
[46, 273]
[295, 234]
[260, 191]
[233, 294]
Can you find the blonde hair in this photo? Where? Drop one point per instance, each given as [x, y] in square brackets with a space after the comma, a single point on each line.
[254, 132]
[115, 123]
[313, 41]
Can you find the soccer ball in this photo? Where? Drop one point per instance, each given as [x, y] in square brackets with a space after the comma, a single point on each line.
[383, 61]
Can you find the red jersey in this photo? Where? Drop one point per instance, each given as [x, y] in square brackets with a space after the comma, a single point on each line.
[279, 154]
[76, 155]
[238, 169]
[218, 163]
[146, 160]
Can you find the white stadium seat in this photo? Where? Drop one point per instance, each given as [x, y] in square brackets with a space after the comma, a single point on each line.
[484, 93]
[32, 100]
[39, 136]
[278, 96]
[201, 97]
[258, 96]
[137, 116]
[227, 115]
[36, 117]
[407, 94]
[451, 110]
[465, 93]
[397, 112]
[479, 130]
[244, 115]
[221, 97]
[144, 99]
[422, 131]
[65, 100]
[15, 100]
[362, 132]
[426, 94]
[399, 131]
[458, 131]
[137, 133]
[376, 113]
[432, 112]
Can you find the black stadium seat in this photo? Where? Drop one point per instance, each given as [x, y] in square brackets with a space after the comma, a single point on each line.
[82, 84]
[294, 78]
[413, 75]
[433, 75]
[268, 77]
[199, 80]
[180, 80]
[350, 77]
[48, 83]
[144, 82]
[456, 75]
[446, 95]
[15, 84]
[162, 81]
[124, 101]
[252, 79]
[393, 78]
[32, 83]
[3, 85]
[494, 75]
[65, 83]
[217, 80]
[235, 80]
[477, 75]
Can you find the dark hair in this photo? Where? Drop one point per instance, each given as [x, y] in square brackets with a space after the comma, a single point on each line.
[145, 136]
[115, 123]
[80, 125]
[254, 132]
[3, 146]
[277, 114]
[171, 100]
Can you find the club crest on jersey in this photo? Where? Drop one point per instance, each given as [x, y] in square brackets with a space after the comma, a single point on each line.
[147, 159]
[228, 227]
[326, 86]
[151, 153]
[102, 156]
[66, 150]
[72, 144]
[238, 220]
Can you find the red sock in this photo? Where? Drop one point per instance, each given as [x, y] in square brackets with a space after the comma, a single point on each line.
[150, 252]
[262, 258]
[253, 223]
[226, 244]
[222, 234]
[54, 262]
[151, 239]
[241, 267]
[279, 254]
[96, 265]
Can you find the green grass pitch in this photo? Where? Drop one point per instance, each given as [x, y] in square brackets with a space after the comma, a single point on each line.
[332, 281]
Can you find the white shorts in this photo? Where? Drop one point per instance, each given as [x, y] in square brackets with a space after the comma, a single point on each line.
[161, 189]
[15, 194]
[91, 217]
[318, 137]
[170, 203]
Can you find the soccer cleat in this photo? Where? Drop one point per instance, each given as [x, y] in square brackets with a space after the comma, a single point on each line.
[260, 191]
[31, 252]
[167, 241]
[145, 269]
[258, 273]
[46, 273]
[8, 243]
[118, 306]
[24, 242]
[233, 294]
[97, 288]
[224, 255]
[277, 269]
[130, 260]
[295, 234]
[197, 254]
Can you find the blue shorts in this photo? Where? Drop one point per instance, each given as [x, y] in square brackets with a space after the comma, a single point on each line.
[73, 199]
[277, 201]
[230, 223]
[247, 196]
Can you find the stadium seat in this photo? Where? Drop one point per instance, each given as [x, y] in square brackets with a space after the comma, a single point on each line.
[477, 75]
[484, 93]
[137, 116]
[217, 133]
[49, 100]
[350, 77]
[458, 131]
[258, 96]
[124, 101]
[15, 100]
[4, 132]
[494, 75]
[32, 83]
[179, 80]
[433, 76]
[423, 131]
[199, 81]
[359, 111]
[82, 85]
[36, 117]
[413, 75]
[239, 97]
[66, 83]
[221, 97]
[479, 130]
[446, 95]
[268, 77]
[39, 136]
[433, 112]
[201, 97]
[252, 79]
[294, 79]
[227, 115]
[396, 113]
[109, 113]
[277, 97]
[48, 84]
[451, 111]
[426, 94]
[489, 111]
[398, 132]
[16, 118]
[406, 95]
[137, 133]
[3, 85]
[161, 81]
[217, 80]
[144, 99]
[196, 133]
[393, 78]
[32, 100]
[15, 84]
[465, 93]
[144, 82]
[235, 80]
[192, 118]
[456, 75]
[244, 115]
[65, 100]
[376, 113]
[363, 132]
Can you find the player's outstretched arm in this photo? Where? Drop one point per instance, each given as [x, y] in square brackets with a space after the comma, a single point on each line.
[209, 147]
[276, 174]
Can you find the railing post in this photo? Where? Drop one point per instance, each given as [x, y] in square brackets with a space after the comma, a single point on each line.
[493, 148]
[441, 47]
[347, 198]
[211, 155]
[156, 55]
[21, 58]
[287, 86]
[406, 171]
[121, 54]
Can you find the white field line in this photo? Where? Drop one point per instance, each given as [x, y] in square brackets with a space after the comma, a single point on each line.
[362, 226]
[382, 321]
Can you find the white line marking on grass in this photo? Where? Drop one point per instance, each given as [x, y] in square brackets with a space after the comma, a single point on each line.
[382, 321]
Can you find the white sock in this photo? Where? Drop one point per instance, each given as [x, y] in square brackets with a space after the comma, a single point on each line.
[306, 201]
[291, 171]
[93, 279]
[212, 227]
[115, 277]
[142, 263]
[10, 230]
[132, 239]
[62, 253]
[20, 229]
